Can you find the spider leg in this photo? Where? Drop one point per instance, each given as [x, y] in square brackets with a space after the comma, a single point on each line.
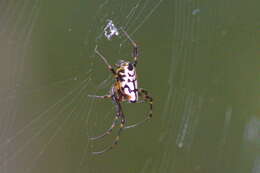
[135, 53]
[121, 128]
[105, 61]
[148, 99]
[110, 95]
[101, 97]
[108, 131]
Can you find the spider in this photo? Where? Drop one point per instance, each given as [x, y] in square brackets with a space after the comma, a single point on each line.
[123, 90]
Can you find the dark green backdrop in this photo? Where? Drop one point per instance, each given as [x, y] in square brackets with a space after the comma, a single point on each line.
[199, 60]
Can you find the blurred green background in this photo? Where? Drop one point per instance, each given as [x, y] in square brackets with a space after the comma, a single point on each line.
[199, 60]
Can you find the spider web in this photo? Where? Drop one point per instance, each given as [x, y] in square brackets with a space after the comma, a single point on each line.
[38, 106]
[48, 67]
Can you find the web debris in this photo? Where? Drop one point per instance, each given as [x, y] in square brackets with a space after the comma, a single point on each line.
[110, 30]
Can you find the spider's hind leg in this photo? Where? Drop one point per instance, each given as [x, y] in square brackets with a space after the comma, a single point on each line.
[121, 128]
[115, 143]
[108, 131]
[112, 96]
[144, 94]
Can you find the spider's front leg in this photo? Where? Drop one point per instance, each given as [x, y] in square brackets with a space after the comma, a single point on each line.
[105, 61]
[135, 53]
[144, 94]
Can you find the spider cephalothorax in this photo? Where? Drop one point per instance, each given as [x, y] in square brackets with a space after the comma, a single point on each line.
[124, 89]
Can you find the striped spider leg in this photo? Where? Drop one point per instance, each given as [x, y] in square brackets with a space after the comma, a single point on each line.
[119, 114]
[143, 93]
[146, 98]
[114, 95]
[135, 52]
[109, 130]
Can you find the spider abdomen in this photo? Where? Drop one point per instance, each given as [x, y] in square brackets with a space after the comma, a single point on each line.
[128, 82]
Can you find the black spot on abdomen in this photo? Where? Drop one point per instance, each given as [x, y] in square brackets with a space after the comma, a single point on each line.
[130, 67]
